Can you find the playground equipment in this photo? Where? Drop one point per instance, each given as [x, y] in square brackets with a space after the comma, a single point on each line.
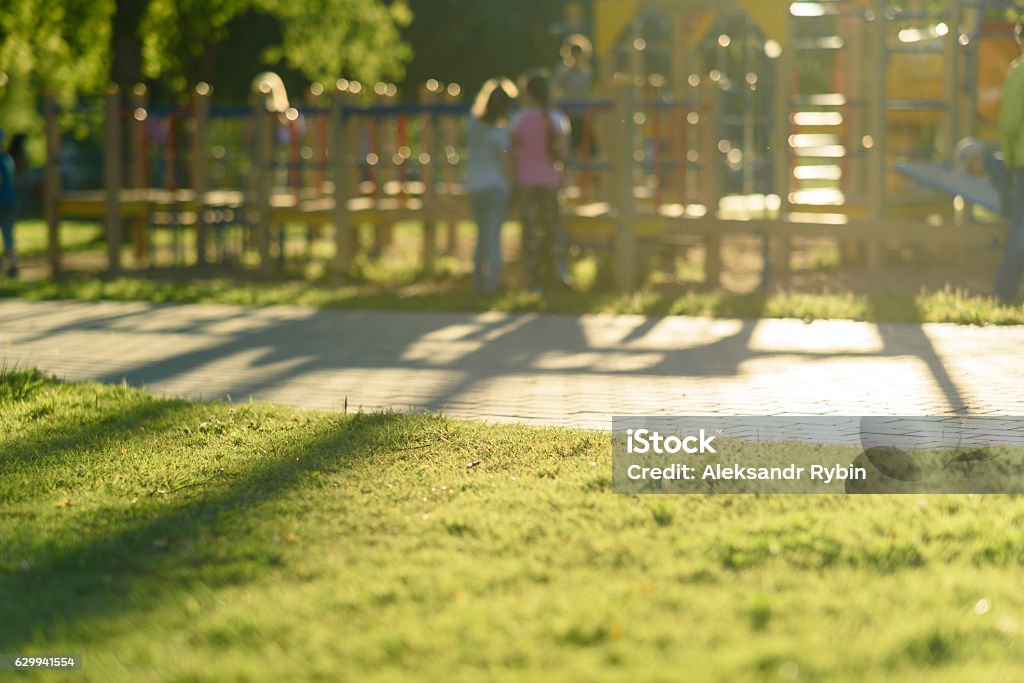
[855, 97]
[920, 84]
[708, 121]
[239, 173]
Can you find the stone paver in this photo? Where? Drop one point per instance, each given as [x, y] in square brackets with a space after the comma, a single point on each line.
[573, 370]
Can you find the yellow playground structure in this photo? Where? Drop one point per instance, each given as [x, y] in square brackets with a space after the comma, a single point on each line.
[834, 118]
[941, 71]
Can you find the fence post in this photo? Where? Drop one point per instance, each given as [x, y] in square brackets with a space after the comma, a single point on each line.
[112, 176]
[52, 184]
[784, 64]
[319, 134]
[854, 115]
[951, 78]
[782, 169]
[383, 147]
[137, 164]
[450, 129]
[200, 168]
[428, 147]
[711, 178]
[263, 180]
[356, 134]
[137, 140]
[878, 171]
[341, 178]
[855, 121]
[625, 203]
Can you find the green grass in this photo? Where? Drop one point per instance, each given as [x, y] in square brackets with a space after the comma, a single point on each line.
[75, 236]
[175, 541]
[396, 282]
[455, 294]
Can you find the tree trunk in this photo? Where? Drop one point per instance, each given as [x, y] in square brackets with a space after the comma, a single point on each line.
[126, 46]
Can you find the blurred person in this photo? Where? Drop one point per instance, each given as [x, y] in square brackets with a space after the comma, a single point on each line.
[488, 174]
[981, 160]
[19, 153]
[8, 207]
[572, 83]
[540, 140]
[290, 125]
[1011, 136]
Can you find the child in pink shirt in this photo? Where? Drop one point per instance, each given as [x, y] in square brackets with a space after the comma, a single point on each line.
[540, 141]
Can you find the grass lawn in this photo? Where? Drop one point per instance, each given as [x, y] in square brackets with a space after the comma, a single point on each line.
[946, 306]
[457, 295]
[176, 541]
[75, 236]
[396, 283]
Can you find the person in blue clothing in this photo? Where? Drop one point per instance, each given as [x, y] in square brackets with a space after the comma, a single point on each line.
[8, 207]
[488, 169]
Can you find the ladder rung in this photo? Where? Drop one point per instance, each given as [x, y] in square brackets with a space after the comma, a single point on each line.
[827, 154]
[825, 100]
[823, 43]
[897, 14]
[910, 48]
[816, 119]
[817, 10]
[811, 140]
[818, 172]
[817, 197]
[821, 152]
[917, 105]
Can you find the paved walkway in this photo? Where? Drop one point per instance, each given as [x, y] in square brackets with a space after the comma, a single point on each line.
[530, 368]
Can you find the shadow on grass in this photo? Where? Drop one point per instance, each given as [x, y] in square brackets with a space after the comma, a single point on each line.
[151, 551]
[97, 426]
[47, 446]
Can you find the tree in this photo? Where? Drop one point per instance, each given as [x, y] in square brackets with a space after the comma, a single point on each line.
[60, 46]
[73, 46]
[470, 41]
[322, 39]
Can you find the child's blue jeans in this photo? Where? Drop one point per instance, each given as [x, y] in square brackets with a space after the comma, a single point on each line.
[489, 208]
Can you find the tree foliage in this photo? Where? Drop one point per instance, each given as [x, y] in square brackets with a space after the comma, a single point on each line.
[65, 45]
[60, 46]
[469, 41]
[322, 39]
[328, 38]
[176, 32]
